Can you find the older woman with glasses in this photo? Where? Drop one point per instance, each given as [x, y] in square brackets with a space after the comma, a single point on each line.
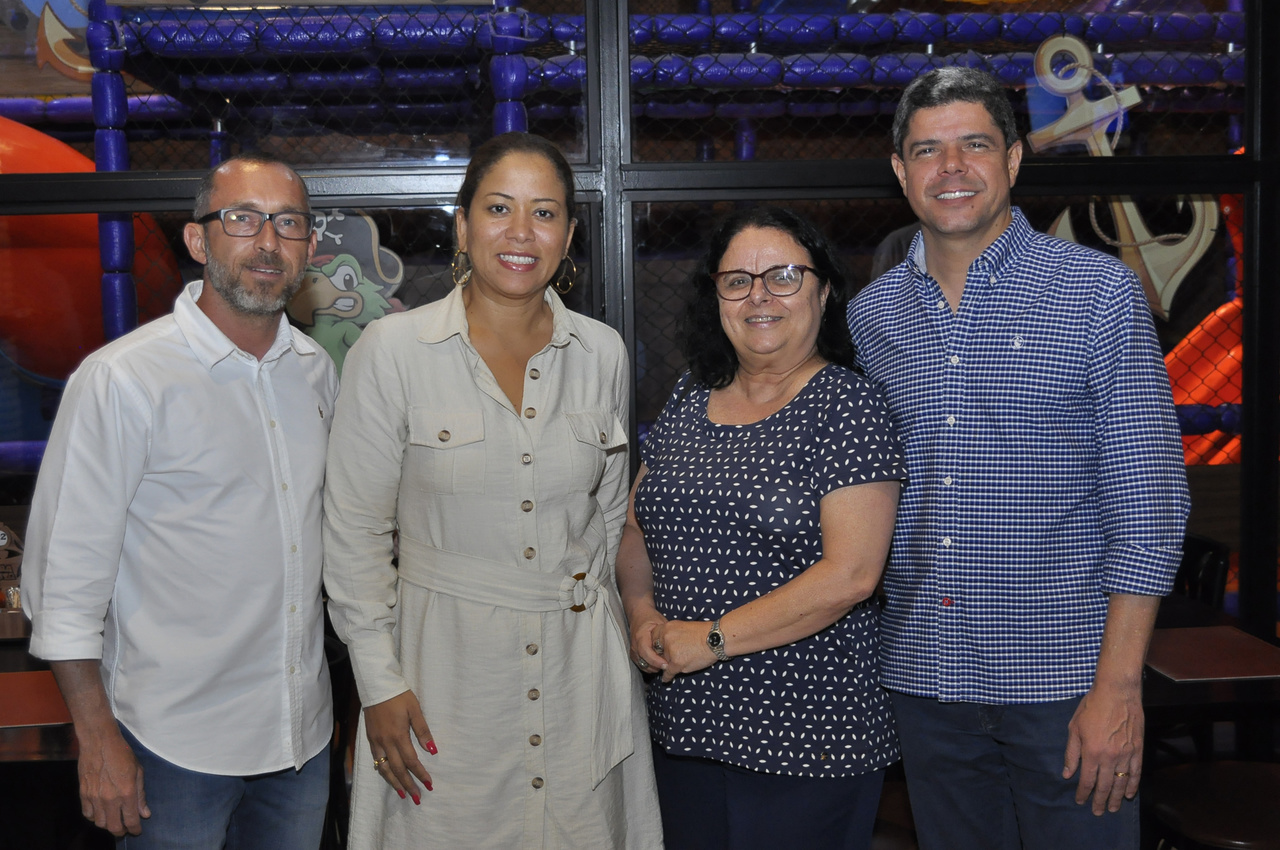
[758, 528]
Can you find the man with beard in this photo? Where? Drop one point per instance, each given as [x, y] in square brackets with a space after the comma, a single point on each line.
[173, 560]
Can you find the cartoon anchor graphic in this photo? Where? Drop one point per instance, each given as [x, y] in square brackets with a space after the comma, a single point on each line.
[1160, 262]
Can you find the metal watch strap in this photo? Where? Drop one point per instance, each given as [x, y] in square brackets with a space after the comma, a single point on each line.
[715, 641]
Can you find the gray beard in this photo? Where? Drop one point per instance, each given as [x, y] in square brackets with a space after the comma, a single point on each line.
[241, 299]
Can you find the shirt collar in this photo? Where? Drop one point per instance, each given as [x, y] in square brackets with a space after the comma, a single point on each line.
[451, 320]
[1001, 253]
[211, 346]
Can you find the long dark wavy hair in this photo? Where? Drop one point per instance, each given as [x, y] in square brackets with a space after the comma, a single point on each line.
[712, 360]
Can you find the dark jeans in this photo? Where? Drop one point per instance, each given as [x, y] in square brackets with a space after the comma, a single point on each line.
[709, 805]
[989, 777]
[204, 811]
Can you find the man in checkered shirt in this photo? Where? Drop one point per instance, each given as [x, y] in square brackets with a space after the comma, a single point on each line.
[1047, 500]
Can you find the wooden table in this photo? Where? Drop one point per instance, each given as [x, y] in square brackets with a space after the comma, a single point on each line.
[1215, 673]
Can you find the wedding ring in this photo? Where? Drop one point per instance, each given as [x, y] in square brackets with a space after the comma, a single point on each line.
[377, 763]
[642, 664]
[1121, 773]
[657, 647]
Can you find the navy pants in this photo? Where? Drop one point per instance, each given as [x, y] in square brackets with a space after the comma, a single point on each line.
[709, 805]
[989, 777]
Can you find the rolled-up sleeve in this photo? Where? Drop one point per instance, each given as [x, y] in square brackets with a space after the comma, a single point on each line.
[1142, 478]
[92, 467]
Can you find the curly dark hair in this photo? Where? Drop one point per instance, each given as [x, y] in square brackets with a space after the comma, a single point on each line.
[711, 357]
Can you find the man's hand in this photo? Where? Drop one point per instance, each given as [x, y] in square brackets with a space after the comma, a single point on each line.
[111, 790]
[1104, 740]
[111, 793]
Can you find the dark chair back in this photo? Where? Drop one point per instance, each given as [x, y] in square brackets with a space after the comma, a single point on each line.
[1203, 573]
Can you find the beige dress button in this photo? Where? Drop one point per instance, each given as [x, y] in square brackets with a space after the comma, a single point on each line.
[532, 649]
[535, 374]
[526, 506]
[529, 553]
[443, 436]
[526, 459]
[529, 413]
[535, 740]
[604, 438]
[534, 693]
[284, 486]
[537, 782]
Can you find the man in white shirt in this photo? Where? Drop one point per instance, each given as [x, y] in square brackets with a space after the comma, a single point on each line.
[172, 570]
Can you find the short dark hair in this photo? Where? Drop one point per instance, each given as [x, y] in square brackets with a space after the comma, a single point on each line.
[710, 355]
[205, 190]
[950, 85]
[489, 154]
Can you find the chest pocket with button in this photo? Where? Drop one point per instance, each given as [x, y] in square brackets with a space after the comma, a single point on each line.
[446, 452]
[595, 434]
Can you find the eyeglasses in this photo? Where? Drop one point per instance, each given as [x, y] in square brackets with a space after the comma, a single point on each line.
[289, 224]
[779, 281]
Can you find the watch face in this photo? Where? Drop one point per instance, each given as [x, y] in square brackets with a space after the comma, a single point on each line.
[715, 639]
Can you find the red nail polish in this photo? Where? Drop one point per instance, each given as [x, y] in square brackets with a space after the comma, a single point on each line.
[431, 748]
[417, 801]
[429, 788]
[401, 793]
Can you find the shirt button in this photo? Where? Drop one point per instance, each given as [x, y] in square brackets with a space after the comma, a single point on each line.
[284, 486]
[535, 374]
[946, 602]
[991, 279]
[946, 541]
[532, 649]
[535, 740]
[947, 480]
[290, 669]
[443, 436]
[951, 420]
[529, 413]
[604, 438]
[533, 693]
[293, 548]
[293, 609]
[529, 553]
[273, 423]
[942, 305]
[537, 782]
[526, 506]
[526, 459]
[955, 359]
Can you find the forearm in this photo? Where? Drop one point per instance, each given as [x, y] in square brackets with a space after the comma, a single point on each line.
[635, 575]
[1125, 637]
[804, 606]
[81, 684]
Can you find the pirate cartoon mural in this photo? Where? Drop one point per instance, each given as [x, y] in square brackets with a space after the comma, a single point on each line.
[350, 282]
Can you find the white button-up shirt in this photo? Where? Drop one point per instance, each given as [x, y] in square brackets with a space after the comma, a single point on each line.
[175, 534]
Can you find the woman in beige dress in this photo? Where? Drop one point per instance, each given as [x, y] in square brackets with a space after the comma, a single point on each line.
[486, 431]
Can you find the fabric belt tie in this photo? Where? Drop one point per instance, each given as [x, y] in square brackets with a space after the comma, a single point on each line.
[506, 586]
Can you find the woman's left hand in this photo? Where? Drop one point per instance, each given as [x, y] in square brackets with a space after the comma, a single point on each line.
[684, 645]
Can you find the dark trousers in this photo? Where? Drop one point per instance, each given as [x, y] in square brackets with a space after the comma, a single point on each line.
[709, 805]
[989, 777]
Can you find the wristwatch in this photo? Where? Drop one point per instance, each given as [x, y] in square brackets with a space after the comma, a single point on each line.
[715, 641]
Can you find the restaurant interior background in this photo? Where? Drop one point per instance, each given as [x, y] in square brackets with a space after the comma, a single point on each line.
[1150, 126]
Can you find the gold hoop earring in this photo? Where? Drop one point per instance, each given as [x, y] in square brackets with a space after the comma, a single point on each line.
[571, 274]
[456, 271]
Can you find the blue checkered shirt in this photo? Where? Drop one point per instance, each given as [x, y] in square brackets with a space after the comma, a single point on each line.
[1045, 465]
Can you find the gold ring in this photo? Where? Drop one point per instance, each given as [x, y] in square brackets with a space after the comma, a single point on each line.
[377, 763]
[1121, 773]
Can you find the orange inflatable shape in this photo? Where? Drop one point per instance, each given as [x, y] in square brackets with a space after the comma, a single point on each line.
[50, 270]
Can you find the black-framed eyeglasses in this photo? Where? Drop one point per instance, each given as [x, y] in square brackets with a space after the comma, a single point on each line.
[289, 224]
[779, 281]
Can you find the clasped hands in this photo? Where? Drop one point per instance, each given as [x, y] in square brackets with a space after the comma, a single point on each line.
[670, 647]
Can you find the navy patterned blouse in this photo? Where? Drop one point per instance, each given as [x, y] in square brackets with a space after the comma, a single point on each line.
[730, 512]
